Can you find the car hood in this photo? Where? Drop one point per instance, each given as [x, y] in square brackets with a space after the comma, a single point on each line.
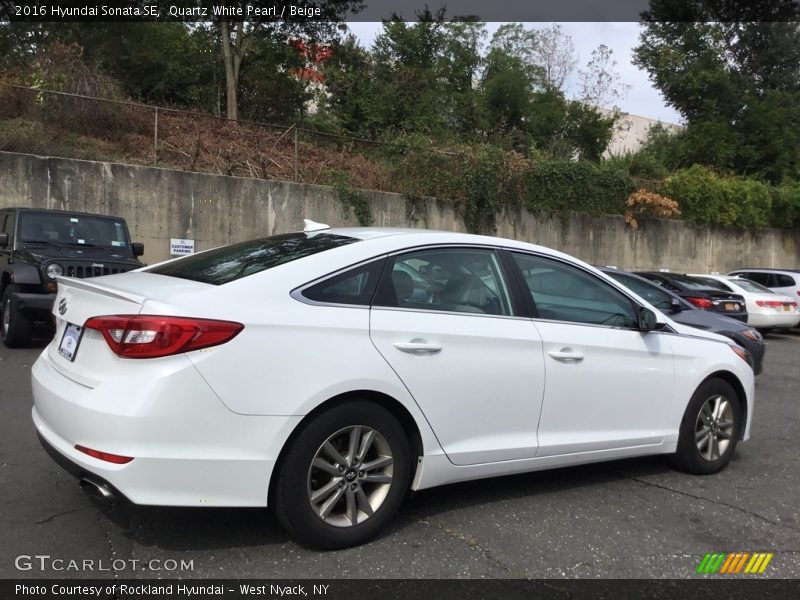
[708, 320]
[692, 331]
[44, 253]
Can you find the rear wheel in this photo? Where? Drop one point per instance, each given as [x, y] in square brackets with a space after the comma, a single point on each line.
[710, 429]
[16, 327]
[343, 477]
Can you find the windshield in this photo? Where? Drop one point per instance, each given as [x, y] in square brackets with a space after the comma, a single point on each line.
[230, 263]
[75, 230]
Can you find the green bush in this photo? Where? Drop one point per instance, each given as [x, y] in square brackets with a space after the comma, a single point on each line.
[710, 199]
[562, 186]
[786, 205]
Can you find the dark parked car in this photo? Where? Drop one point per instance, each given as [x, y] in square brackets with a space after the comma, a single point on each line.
[36, 246]
[702, 296]
[678, 309]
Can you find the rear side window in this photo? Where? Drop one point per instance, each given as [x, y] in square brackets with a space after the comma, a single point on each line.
[355, 286]
[223, 265]
[762, 278]
[784, 280]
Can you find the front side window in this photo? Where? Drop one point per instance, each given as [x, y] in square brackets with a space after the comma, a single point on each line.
[229, 263]
[463, 280]
[562, 292]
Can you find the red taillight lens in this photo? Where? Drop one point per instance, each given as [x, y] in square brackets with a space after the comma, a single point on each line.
[106, 456]
[700, 302]
[153, 336]
[770, 303]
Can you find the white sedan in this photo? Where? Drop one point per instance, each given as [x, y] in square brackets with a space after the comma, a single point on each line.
[325, 373]
[766, 310]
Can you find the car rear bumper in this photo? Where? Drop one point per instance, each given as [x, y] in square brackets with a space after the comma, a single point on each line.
[188, 449]
[776, 319]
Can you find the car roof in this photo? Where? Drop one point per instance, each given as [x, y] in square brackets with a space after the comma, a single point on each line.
[765, 270]
[433, 236]
[60, 212]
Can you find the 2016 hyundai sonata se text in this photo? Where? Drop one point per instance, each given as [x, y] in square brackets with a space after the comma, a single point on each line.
[325, 373]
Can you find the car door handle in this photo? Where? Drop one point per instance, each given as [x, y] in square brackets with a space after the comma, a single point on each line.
[566, 355]
[418, 347]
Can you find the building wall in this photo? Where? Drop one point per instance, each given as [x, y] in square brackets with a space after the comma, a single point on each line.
[213, 210]
[631, 133]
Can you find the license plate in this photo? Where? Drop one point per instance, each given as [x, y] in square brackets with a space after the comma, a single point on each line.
[786, 308]
[731, 306]
[68, 347]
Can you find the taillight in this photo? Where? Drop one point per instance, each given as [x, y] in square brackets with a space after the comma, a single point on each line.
[769, 303]
[152, 336]
[700, 302]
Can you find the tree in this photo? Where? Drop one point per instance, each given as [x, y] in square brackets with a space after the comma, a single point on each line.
[736, 81]
[237, 38]
[554, 53]
[600, 84]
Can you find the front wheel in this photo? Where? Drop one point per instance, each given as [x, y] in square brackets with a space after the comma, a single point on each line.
[343, 477]
[16, 327]
[710, 429]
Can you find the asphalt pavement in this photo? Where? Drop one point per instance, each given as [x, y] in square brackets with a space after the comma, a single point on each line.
[629, 519]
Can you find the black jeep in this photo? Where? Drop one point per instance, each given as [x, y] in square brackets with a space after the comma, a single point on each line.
[36, 246]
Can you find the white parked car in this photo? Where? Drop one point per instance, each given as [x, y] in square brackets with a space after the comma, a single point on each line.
[766, 310]
[780, 281]
[312, 372]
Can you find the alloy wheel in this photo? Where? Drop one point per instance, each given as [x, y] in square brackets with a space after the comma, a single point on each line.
[714, 427]
[350, 476]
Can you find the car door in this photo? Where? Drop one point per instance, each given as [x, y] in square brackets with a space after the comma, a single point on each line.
[444, 320]
[609, 385]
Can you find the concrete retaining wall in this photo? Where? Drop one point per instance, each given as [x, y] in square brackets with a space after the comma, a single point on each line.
[160, 204]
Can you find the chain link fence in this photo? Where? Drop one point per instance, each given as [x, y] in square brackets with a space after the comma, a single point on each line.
[73, 126]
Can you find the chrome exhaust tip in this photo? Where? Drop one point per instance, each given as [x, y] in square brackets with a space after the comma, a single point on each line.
[96, 489]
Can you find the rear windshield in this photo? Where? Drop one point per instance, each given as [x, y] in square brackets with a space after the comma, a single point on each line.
[710, 282]
[696, 284]
[752, 286]
[230, 263]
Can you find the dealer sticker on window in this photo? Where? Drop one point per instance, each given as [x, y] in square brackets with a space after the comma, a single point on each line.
[69, 342]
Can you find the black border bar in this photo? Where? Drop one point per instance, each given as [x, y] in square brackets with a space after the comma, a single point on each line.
[391, 589]
[378, 10]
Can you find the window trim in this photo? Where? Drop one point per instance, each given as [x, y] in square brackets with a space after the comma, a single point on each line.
[530, 302]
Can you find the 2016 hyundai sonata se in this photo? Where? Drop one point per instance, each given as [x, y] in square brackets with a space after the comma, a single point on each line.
[325, 373]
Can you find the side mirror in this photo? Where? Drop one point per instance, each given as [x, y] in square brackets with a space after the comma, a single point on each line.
[138, 248]
[3, 240]
[648, 320]
[675, 305]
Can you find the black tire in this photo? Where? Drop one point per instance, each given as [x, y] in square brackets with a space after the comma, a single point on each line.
[15, 327]
[296, 481]
[695, 456]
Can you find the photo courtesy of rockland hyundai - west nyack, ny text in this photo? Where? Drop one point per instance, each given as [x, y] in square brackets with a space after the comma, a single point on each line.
[399, 299]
